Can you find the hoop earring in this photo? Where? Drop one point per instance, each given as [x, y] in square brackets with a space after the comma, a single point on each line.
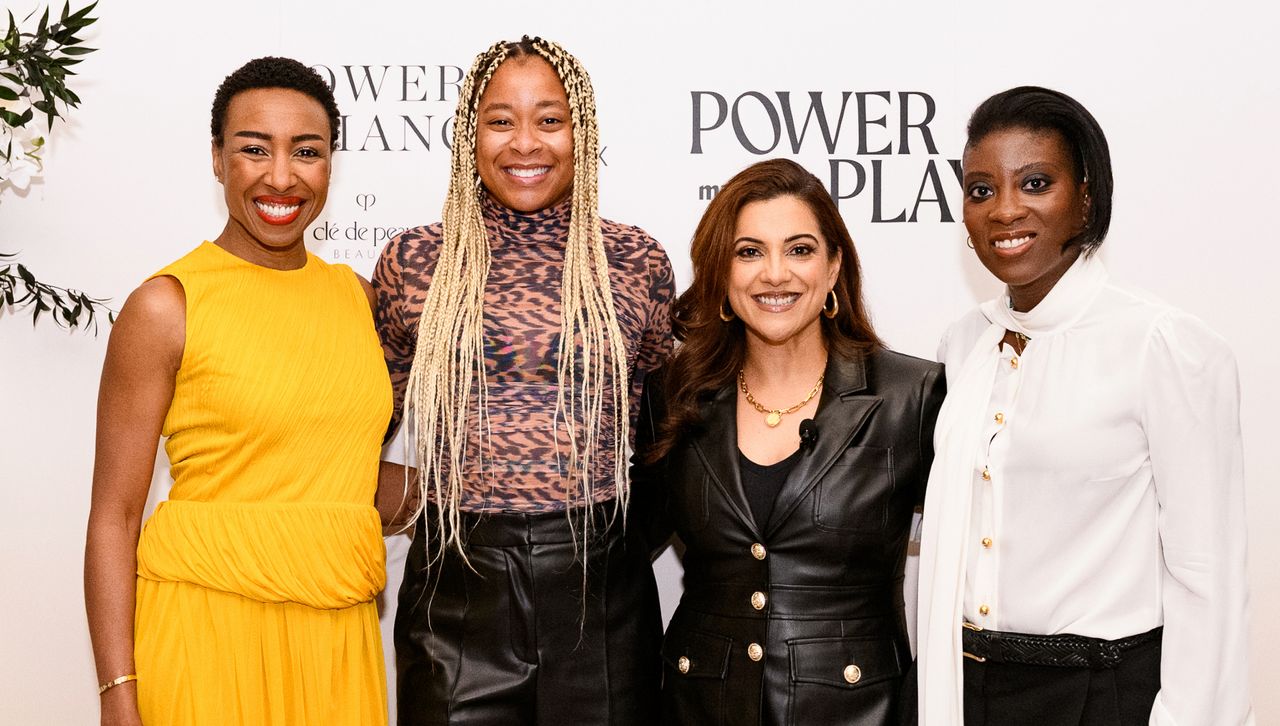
[726, 317]
[969, 241]
[835, 305]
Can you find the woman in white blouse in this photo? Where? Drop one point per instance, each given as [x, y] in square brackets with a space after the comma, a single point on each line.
[1083, 558]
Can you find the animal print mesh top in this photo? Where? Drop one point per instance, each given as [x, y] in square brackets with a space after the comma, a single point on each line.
[522, 470]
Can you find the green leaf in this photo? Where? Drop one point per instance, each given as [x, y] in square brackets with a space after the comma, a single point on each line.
[83, 12]
[81, 23]
[40, 308]
[78, 50]
[26, 276]
[8, 94]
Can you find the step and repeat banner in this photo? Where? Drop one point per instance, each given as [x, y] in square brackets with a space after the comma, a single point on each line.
[870, 97]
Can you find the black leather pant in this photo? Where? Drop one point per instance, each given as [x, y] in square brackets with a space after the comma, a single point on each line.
[510, 640]
[1014, 694]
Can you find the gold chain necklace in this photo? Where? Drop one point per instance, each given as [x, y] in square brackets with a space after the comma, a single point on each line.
[773, 417]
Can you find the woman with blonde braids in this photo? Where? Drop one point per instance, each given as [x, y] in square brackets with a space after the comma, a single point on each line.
[518, 333]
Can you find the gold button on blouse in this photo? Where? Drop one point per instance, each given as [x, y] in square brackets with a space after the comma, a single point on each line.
[755, 652]
[1013, 362]
[757, 551]
[984, 610]
[986, 542]
[986, 474]
[999, 418]
[852, 673]
[684, 664]
[758, 600]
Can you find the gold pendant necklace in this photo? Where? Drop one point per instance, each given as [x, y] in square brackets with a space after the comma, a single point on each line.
[773, 417]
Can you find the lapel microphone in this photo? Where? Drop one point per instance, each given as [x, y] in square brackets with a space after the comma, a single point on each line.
[808, 433]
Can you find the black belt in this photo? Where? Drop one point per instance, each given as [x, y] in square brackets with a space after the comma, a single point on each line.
[1067, 651]
[516, 529]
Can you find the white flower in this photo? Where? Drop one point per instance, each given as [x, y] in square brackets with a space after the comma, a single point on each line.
[24, 159]
[19, 171]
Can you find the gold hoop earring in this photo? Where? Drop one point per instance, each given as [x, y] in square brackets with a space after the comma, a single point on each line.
[835, 305]
[726, 317]
[969, 241]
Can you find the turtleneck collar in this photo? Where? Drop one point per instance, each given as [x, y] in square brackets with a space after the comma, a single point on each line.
[1066, 303]
[553, 221]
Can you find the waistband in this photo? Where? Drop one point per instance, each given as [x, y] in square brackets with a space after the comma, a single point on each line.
[323, 555]
[1064, 651]
[514, 529]
[795, 602]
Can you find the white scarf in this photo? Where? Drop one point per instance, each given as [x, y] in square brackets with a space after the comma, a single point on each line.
[948, 501]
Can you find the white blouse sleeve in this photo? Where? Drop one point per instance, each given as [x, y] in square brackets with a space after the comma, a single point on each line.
[397, 450]
[1191, 416]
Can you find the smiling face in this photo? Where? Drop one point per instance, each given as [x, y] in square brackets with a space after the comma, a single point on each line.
[1022, 204]
[273, 162]
[781, 272]
[524, 137]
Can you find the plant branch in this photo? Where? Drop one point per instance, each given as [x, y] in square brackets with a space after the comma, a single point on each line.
[69, 308]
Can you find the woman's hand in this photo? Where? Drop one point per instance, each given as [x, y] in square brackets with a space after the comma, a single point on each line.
[397, 498]
[120, 706]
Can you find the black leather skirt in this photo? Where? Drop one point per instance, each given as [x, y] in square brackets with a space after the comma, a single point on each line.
[511, 639]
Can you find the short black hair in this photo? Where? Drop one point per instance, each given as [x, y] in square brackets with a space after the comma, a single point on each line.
[1042, 109]
[274, 72]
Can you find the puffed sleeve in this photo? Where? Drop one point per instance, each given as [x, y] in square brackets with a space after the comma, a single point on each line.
[1191, 416]
[933, 389]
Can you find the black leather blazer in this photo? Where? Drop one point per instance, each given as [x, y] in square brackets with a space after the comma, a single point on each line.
[797, 620]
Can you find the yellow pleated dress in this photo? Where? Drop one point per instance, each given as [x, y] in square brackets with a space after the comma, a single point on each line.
[257, 578]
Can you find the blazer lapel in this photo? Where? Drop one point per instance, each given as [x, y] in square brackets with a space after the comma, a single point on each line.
[717, 446]
[841, 414]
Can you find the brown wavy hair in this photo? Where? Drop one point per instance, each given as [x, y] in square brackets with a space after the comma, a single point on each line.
[712, 350]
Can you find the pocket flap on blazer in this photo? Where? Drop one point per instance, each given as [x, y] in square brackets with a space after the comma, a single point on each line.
[843, 662]
[706, 655]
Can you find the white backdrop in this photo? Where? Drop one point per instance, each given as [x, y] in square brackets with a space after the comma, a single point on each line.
[1189, 101]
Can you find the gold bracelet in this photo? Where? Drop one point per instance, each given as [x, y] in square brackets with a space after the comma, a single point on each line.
[112, 684]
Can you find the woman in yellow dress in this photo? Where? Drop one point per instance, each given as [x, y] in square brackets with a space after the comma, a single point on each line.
[247, 598]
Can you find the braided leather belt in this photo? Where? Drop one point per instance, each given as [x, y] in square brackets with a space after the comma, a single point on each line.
[1066, 651]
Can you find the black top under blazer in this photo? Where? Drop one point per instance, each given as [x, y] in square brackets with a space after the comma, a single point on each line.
[797, 620]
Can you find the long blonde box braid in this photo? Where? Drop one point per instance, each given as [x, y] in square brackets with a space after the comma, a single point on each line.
[449, 356]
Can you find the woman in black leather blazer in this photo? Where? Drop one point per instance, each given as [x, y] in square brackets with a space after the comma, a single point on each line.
[794, 518]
